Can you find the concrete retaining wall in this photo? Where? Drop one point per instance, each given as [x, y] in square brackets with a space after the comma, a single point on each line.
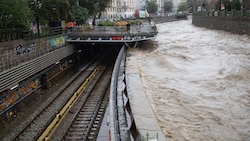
[16, 52]
[238, 25]
[21, 59]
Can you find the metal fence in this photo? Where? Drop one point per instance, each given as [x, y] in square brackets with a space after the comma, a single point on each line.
[18, 33]
[142, 28]
[15, 33]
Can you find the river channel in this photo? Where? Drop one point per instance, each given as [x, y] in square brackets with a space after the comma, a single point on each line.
[197, 81]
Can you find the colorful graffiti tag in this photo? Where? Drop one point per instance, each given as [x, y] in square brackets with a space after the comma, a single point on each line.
[58, 42]
[22, 50]
[8, 100]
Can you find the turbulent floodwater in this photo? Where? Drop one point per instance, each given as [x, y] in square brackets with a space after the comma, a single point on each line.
[198, 82]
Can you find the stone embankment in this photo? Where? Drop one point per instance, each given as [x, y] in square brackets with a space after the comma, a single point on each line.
[233, 24]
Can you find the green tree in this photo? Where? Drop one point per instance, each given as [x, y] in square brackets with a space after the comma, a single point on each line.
[94, 6]
[168, 6]
[18, 13]
[80, 14]
[14, 14]
[57, 10]
[183, 7]
[151, 6]
[235, 4]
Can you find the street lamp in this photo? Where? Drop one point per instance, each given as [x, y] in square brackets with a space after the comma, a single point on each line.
[37, 6]
[242, 7]
[242, 3]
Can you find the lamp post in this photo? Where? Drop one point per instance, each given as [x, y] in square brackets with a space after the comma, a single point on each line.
[242, 8]
[37, 6]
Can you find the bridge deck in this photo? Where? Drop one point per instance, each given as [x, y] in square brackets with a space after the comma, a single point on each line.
[109, 34]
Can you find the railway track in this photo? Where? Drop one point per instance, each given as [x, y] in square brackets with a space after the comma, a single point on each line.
[84, 119]
[49, 110]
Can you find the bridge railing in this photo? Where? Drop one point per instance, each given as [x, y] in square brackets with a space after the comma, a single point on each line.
[143, 28]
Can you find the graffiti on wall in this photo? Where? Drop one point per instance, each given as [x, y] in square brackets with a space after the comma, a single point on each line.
[58, 42]
[8, 100]
[22, 50]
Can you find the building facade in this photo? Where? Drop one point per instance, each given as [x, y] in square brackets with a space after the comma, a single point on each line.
[111, 11]
[125, 8]
[120, 9]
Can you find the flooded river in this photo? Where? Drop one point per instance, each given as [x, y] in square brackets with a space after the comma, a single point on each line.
[198, 82]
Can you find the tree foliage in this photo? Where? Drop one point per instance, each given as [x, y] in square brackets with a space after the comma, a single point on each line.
[80, 14]
[54, 10]
[14, 14]
[94, 6]
[168, 6]
[151, 6]
[229, 5]
[19, 13]
[183, 7]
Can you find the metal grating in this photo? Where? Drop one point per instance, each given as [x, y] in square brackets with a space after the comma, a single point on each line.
[11, 77]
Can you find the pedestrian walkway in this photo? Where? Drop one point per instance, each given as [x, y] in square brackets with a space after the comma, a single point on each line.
[144, 117]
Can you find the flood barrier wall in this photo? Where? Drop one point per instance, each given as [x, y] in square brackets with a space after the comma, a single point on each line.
[233, 24]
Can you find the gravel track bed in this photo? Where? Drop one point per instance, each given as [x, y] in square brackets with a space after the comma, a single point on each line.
[68, 119]
[37, 128]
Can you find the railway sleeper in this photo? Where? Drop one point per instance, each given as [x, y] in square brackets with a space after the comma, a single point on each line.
[92, 135]
[76, 133]
[91, 138]
[80, 126]
[95, 126]
[80, 138]
[89, 109]
[94, 129]
[91, 105]
[84, 117]
[99, 115]
[77, 129]
[97, 121]
[89, 112]
[81, 122]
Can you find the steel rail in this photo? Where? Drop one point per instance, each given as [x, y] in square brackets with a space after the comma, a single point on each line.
[48, 132]
[90, 109]
[28, 125]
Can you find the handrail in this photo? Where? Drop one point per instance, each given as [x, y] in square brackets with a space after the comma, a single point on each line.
[116, 30]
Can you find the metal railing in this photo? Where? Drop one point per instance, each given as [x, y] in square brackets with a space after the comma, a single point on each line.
[134, 29]
[18, 33]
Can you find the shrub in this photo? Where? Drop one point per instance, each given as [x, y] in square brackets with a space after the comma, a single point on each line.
[108, 23]
[119, 23]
